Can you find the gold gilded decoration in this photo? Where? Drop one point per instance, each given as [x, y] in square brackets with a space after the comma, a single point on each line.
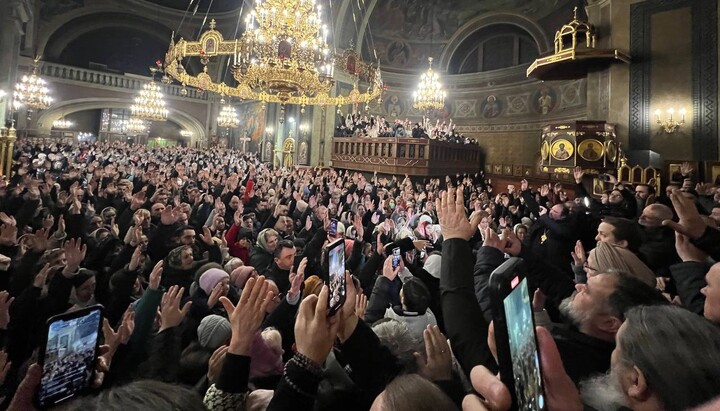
[545, 150]
[563, 170]
[561, 149]
[591, 150]
[611, 150]
[283, 57]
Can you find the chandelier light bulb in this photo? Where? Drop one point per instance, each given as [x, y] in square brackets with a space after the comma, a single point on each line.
[228, 117]
[150, 104]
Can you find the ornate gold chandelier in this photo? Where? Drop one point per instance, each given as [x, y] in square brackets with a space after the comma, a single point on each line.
[430, 94]
[283, 57]
[62, 123]
[150, 103]
[135, 126]
[32, 91]
[228, 117]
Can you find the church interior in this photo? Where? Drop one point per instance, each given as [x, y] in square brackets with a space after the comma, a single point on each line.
[655, 89]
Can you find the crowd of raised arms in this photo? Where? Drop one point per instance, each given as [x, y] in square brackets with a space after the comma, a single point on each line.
[212, 270]
[354, 125]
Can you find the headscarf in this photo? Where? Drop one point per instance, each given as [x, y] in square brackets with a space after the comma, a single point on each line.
[608, 257]
[264, 233]
[211, 278]
[173, 257]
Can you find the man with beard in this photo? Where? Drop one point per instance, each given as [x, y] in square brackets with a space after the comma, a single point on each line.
[647, 373]
[596, 312]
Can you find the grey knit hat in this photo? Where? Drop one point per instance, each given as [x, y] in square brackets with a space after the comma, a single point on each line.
[214, 331]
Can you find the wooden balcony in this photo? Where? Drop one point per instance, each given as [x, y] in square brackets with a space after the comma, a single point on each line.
[412, 156]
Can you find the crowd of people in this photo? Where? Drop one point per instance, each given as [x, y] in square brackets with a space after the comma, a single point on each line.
[355, 125]
[212, 269]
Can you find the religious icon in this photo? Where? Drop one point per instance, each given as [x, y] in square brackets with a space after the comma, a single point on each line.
[267, 152]
[598, 187]
[210, 46]
[611, 150]
[590, 150]
[491, 107]
[398, 53]
[302, 154]
[544, 101]
[394, 107]
[561, 149]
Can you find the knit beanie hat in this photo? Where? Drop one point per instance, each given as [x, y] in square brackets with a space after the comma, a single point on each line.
[266, 358]
[211, 278]
[214, 331]
[241, 275]
[313, 285]
[231, 265]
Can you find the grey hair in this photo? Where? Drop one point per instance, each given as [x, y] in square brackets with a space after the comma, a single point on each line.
[677, 351]
[399, 340]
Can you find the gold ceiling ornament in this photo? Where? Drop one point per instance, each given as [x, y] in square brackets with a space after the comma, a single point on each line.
[32, 91]
[228, 116]
[430, 94]
[283, 57]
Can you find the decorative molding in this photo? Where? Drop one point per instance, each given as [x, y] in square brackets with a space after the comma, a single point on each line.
[465, 108]
[704, 69]
[518, 104]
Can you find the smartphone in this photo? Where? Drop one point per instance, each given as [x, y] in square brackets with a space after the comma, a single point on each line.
[515, 338]
[396, 258]
[332, 231]
[336, 265]
[68, 354]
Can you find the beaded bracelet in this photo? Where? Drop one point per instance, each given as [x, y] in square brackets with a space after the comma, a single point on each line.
[306, 363]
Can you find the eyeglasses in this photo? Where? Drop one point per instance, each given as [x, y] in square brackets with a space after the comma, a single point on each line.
[587, 267]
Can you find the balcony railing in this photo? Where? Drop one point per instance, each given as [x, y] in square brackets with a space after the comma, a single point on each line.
[112, 80]
[412, 156]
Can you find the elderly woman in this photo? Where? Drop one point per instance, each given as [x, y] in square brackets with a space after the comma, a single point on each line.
[261, 256]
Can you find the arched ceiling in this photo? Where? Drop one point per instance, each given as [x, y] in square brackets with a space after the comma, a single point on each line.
[404, 33]
[215, 6]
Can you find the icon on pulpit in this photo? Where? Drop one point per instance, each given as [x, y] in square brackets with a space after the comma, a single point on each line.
[561, 149]
[590, 150]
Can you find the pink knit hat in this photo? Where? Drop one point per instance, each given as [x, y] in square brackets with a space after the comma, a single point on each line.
[240, 275]
[210, 278]
[265, 360]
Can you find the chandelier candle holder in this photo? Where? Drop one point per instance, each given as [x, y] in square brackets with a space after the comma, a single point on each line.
[228, 116]
[669, 125]
[282, 57]
[430, 94]
[135, 126]
[62, 123]
[32, 91]
[150, 103]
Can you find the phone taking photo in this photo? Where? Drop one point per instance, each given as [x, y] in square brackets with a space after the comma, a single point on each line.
[396, 258]
[68, 354]
[515, 338]
[336, 265]
[332, 231]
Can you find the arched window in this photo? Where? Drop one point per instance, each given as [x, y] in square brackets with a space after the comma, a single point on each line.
[494, 47]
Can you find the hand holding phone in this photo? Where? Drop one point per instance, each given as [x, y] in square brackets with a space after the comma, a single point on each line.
[332, 231]
[68, 354]
[336, 266]
[396, 258]
[515, 338]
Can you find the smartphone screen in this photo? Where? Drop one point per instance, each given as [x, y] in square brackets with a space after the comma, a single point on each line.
[396, 258]
[68, 356]
[332, 231]
[523, 347]
[336, 265]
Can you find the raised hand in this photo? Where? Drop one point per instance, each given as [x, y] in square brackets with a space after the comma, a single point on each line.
[8, 235]
[578, 174]
[437, 363]
[156, 276]
[451, 213]
[7, 220]
[359, 229]
[246, 317]
[297, 279]
[388, 271]
[579, 257]
[168, 217]
[215, 295]
[39, 241]
[74, 254]
[171, 315]
[315, 331]
[308, 223]
[690, 223]
[215, 363]
[687, 251]
[206, 236]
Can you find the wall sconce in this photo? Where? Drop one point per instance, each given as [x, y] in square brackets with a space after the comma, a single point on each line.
[670, 125]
